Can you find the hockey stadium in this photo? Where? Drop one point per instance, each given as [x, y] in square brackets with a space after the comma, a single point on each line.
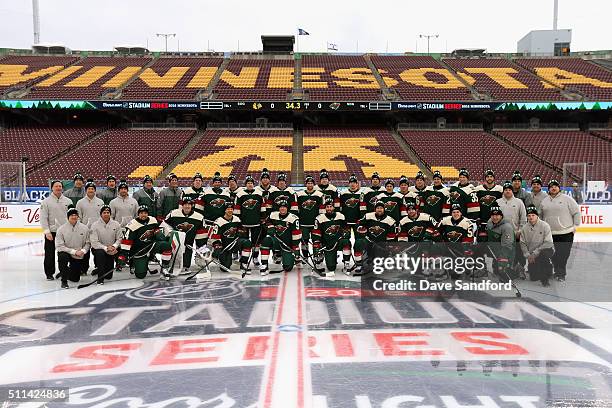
[290, 226]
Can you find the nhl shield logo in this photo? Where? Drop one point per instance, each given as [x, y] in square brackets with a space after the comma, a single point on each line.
[376, 230]
[487, 200]
[352, 202]
[209, 291]
[249, 204]
[432, 200]
[217, 203]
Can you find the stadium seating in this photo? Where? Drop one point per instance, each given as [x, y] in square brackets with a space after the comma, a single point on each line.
[173, 78]
[90, 78]
[474, 150]
[420, 78]
[607, 134]
[503, 80]
[362, 151]
[22, 71]
[40, 143]
[574, 74]
[256, 79]
[125, 153]
[565, 146]
[239, 152]
[338, 78]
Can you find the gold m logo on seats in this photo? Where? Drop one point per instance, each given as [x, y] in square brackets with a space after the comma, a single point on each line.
[333, 153]
[273, 153]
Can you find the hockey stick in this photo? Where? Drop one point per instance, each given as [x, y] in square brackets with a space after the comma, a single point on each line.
[136, 255]
[229, 247]
[518, 292]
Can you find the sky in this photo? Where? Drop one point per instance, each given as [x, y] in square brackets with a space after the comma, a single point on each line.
[354, 26]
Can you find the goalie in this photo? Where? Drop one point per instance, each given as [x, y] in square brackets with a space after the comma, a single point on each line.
[143, 238]
[330, 235]
[191, 222]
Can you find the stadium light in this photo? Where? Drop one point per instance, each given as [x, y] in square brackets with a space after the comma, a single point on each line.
[428, 36]
[166, 35]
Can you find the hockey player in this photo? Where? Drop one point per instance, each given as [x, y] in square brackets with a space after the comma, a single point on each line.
[214, 199]
[351, 204]
[310, 205]
[462, 193]
[105, 235]
[374, 228]
[194, 193]
[108, 194]
[169, 198]
[232, 187]
[330, 235]
[90, 205]
[435, 198]
[142, 239]
[283, 192]
[191, 222]
[71, 243]
[417, 226]
[52, 215]
[487, 194]
[251, 210]
[458, 232]
[77, 192]
[404, 188]
[124, 208]
[283, 235]
[517, 186]
[265, 188]
[228, 235]
[370, 193]
[147, 196]
[328, 190]
[502, 244]
[419, 184]
[394, 202]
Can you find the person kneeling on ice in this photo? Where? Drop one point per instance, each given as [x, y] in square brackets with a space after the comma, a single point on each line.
[282, 234]
[228, 235]
[191, 222]
[537, 246]
[105, 235]
[374, 228]
[457, 232]
[71, 244]
[500, 236]
[143, 238]
[330, 235]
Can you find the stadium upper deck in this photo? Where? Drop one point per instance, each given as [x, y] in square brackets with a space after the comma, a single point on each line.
[309, 77]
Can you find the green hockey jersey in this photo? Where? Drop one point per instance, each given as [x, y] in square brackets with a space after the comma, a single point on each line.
[285, 228]
[250, 207]
[194, 194]
[435, 201]
[369, 197]
[213, 200]
[265, 193]
[461, 230]
[466, 198]
[487, 197]
[288, 194]
[394, 205]
[420, 228]
[375, 229]
[225, 231]
[191, 224]
[352, 205]
[139, 234]
[329, 229]
[329, 191]
[310, 205]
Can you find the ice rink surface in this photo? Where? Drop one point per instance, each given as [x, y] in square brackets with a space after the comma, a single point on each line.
[293, 340]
